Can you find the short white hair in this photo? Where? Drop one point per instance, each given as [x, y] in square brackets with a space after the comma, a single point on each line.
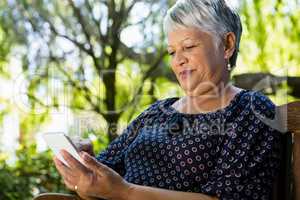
[212, 16]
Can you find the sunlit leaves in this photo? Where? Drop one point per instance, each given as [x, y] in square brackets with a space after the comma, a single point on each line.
[271, 37]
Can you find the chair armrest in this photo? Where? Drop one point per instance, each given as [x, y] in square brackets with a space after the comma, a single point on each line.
[56, 196]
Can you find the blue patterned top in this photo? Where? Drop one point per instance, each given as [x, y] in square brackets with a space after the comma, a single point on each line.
[230, 153]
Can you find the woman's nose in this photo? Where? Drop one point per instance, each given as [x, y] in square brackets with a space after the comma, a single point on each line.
[180, 59]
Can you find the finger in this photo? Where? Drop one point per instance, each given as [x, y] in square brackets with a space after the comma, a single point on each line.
[83, 145]
[86, 142]
[62, 168]
[70, 181]
[57, 161]
[73, 162]
[86, 145]
[69, 184]
[92, 163]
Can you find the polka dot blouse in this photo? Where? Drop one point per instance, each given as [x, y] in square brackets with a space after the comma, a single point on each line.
[230, 153]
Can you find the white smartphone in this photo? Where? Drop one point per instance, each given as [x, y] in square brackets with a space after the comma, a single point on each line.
[59, 141]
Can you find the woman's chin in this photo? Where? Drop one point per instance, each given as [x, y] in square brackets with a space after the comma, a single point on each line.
[195, 90]
[188, 89]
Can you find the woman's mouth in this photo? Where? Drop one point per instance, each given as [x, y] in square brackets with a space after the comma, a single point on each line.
[186, 73]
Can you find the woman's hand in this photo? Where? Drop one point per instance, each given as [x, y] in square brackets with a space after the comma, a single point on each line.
[83, 145]
[91, 179]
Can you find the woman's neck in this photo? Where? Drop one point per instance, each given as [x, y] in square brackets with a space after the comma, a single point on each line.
[212, 100]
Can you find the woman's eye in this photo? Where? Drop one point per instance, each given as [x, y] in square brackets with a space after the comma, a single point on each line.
[189, 47]
[171, 53]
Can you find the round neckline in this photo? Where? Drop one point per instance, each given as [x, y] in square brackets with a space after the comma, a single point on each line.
[232, 102]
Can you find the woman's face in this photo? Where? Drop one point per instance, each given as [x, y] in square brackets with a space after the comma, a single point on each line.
[196, 61]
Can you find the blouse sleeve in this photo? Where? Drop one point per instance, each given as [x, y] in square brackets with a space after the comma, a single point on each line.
[113, 155]
[249, 160]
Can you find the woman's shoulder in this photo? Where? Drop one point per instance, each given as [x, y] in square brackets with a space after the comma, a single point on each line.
[258, 103]
[155, 108]
[159, 106]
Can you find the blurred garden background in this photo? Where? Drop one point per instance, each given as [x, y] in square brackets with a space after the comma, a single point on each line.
[88, 67]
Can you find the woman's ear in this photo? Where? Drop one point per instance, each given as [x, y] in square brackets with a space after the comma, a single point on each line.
[229, 45]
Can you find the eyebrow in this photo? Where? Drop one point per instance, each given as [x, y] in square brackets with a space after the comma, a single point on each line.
[188, 38]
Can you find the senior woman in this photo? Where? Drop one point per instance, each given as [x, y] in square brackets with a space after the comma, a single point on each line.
[210, 144]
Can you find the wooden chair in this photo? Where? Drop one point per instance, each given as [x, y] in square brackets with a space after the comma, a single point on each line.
[287, 184]
[56, 196]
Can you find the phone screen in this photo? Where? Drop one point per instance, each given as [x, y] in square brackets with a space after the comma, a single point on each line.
[59, 141]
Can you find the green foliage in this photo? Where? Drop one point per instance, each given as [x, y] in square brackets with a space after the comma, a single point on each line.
[32, 173]
[271, 35]
[5, 46]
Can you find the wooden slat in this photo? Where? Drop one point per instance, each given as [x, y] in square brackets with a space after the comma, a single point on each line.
[56, 196]
[293, 123]
[296, 165]
[294, 117]
[287, 120]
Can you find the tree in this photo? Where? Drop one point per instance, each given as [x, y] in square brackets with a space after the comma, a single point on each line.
[78, 46]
